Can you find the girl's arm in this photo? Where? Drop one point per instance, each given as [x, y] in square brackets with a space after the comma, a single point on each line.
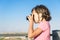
[33, 33]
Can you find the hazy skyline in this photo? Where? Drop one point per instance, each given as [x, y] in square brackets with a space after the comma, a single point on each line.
[13, 14]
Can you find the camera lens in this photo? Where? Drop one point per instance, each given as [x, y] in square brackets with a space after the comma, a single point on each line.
[27, 18]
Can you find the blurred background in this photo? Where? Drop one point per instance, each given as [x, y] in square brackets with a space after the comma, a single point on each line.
[13, 14]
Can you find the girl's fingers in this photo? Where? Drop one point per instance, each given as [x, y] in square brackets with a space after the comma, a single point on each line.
[30, 17]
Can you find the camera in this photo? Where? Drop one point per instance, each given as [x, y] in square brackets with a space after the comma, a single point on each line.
[28, 16]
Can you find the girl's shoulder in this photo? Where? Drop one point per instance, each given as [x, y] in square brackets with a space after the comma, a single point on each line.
[44, 23]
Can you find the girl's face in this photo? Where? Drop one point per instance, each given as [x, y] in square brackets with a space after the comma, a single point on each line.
[35, 16]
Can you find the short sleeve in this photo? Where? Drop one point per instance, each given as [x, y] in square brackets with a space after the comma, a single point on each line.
[43, 26]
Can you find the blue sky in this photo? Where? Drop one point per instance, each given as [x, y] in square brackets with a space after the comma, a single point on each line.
[13, 14]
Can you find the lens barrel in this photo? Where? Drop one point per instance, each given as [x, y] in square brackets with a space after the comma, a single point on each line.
[27, 18]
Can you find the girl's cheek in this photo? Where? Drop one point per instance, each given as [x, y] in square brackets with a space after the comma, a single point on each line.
[36, 18]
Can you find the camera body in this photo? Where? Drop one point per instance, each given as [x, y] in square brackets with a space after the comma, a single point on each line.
[28, 18]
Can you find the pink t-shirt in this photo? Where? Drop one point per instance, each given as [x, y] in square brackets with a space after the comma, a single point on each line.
[45, 35]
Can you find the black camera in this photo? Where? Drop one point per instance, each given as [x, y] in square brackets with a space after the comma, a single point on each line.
[27, 17]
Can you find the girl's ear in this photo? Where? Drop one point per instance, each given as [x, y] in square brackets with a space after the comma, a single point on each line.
[40, 14]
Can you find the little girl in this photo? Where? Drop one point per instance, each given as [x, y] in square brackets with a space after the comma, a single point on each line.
[41, 16]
